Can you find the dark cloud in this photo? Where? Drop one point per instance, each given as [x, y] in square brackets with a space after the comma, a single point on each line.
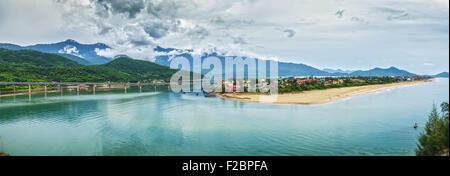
[137, 36]
[394, 14]
[218, 20]
[290, 33]
[162, 15]
[132, 8]
[160, 28]
[198, 32]
[204, 24]
[104, 28]
[340, 13]
[156, 31]
[164, 9]
[389, 10]
[403, 16]
[140, 42]
[239, 40]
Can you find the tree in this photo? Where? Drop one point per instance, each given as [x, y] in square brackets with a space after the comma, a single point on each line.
[444, 107]
[435, 138]
[445, 127]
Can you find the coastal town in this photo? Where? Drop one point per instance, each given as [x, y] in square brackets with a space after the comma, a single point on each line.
[293, 84]
[317, 90]
[299, 84]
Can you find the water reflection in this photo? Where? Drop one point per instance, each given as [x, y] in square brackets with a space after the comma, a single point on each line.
[162, 123]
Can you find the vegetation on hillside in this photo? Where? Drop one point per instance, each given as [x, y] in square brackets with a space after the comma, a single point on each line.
[435, 138]
[35, 58]
[141, 70]
[290, 85]
[76, 59]
[34, 66]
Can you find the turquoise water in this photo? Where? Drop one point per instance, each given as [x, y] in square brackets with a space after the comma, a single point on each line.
[162, 123]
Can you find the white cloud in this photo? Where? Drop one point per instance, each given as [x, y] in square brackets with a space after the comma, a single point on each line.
[72, 50]
[325, 33]
[428, 64]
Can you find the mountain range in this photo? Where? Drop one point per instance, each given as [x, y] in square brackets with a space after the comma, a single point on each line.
[286, 69]
[338, 71]
[35, 66]
[441, 75]
[85, 54]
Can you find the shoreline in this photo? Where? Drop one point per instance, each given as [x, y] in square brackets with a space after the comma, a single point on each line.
[3, 154]
[314, 96]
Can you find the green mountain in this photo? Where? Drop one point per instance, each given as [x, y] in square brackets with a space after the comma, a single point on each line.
[35, 58]
[143, 70]
[86, 51]
[34, 66]
[76, 59]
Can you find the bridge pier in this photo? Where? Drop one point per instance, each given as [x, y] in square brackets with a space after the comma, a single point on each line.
[48, 87]
[29, 92]
[45, 90]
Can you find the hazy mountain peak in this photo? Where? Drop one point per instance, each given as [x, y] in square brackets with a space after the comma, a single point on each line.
[70, 41]
[337, 71]
[442, 75]
[393, 68]
[68, 47]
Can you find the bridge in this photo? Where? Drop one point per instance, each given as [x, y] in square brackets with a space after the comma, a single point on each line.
[60, 86]
[81, 83]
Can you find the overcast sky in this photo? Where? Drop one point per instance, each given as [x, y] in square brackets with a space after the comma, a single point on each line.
[346, 34]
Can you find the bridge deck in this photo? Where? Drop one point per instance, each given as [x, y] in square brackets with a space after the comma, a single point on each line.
[80, 83]
[88, 83]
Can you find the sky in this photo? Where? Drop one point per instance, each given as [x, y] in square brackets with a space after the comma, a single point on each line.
[338, 34]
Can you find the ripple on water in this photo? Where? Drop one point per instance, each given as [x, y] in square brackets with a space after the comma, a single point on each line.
[184, 124]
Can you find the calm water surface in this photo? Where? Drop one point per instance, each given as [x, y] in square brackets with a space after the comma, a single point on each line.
[162, 123]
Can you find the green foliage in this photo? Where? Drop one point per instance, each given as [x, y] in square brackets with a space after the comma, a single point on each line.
[35, 58]
[142, 70]
[33, 66]
[435, 138]
[319, 84]
[76, 59]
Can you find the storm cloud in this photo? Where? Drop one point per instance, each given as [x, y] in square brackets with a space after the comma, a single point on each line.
[355, 34]
[131, 8]
[290, 33]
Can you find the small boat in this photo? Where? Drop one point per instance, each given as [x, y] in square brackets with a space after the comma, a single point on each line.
[209, 95]
[416, 126]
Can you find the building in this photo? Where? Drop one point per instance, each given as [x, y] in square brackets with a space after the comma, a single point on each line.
[340, 81]
[358, 80]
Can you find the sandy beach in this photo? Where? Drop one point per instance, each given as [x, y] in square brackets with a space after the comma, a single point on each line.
[315, 96]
